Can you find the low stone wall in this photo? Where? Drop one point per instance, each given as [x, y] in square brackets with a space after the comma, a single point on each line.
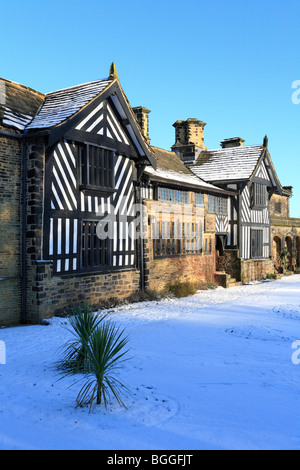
[49, 295]
[256, 269]
[189, 268]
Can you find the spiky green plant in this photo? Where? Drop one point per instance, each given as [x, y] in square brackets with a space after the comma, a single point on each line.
[105, 353]
[285, 256]
[81, 324]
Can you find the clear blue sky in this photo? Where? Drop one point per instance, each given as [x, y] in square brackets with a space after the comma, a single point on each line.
[230, 63]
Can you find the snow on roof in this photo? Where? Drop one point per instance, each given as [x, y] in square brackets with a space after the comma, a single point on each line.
[181, 178]
[16, 120]
[229, 164]
[18, 104]
[170, 168]
[62, 104]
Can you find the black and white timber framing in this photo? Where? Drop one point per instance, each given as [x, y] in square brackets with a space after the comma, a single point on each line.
[102, 139]
[250, 173]
[255, 220]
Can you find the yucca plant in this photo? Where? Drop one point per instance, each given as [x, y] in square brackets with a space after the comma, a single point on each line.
[105, 352]
[82, 322]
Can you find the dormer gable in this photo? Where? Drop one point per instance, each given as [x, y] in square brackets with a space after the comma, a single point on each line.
[98, 112]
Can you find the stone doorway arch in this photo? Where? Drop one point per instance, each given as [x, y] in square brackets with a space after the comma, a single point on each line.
[289, 245]
[277, 248]
[298, 252]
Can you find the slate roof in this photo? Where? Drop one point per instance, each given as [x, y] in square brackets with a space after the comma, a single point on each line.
[229, 164]
[22, 107]
[62, 104]
[18, 104]
[25, 109]
[170, 169]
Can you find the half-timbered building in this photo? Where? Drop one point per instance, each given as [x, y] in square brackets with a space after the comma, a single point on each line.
[180, 243]
[90, 210]
[77, 163]
[245, 246]
[80, 157]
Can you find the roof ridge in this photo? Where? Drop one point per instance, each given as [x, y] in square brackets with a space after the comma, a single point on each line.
[235, 148]
[160, 148]
[25, 87]
[79, 85]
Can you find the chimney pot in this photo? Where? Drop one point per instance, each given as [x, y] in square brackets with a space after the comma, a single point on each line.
[232, 142]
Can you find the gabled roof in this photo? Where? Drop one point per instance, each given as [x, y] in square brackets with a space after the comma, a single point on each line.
[228, 164]
[170, 169]
[62, 104]
[27, 110]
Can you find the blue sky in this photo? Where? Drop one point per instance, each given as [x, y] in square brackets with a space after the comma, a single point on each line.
[230, 63]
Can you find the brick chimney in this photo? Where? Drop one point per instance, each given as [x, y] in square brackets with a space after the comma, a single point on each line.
[190, 131]
[142, 115]
[189, 139]
[233, 142]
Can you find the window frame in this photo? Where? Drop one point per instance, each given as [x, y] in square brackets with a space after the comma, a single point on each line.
[172, 196]
[217, 205]
[101, 252]
[96, 170]
[172, 238]
[256, 236]
[258, 195]
[199, 199]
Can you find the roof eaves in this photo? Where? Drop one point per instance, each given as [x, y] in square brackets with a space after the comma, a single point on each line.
[23, 87]
[134, 123]
[179, 181]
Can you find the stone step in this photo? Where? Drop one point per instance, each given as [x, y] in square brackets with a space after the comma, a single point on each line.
[235, 284]
[230, 281]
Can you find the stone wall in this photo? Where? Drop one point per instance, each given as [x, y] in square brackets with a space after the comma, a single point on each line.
[52, 295]
[256, 269]
[10, 230]
[191, 268]
[279, 206]
[160, 271]
[35, 173]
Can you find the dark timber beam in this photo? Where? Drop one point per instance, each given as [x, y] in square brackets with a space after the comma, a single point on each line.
[81, 136]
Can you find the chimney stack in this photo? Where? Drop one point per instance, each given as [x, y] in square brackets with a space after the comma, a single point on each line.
[189, 139]
[142, 116]
[190, 131]
[233, 142]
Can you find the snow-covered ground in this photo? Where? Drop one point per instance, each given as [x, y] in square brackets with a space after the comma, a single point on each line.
[211, 371]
